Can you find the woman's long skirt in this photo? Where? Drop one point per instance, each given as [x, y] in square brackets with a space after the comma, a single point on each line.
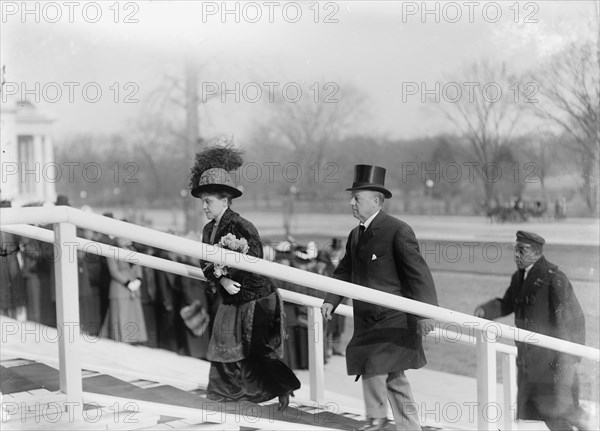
[245, 353]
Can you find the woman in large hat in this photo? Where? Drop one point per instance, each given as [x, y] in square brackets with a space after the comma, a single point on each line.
[245, 348]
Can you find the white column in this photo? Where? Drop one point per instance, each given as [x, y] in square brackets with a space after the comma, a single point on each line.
[315, 355]
[487, 407]
[48, 160]
[509, 386]
[39, 184]
[67, 313]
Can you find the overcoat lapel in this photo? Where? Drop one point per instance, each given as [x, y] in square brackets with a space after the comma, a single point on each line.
[367, 235]
[223, 227]
[531, 283]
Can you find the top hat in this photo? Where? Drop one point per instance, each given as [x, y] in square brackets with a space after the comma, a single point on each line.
[368, 177]
[215, 180]
[530, 238]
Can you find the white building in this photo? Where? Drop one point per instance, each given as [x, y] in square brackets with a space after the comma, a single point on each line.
[27, 167]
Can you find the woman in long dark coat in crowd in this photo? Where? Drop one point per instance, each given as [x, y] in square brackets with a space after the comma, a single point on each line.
[245, 348]
[12, 292]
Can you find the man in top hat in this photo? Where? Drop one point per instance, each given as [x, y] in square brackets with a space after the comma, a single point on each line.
[543, 301]
[382, 253]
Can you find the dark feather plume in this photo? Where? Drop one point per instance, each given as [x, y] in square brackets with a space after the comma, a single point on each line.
[219, 154]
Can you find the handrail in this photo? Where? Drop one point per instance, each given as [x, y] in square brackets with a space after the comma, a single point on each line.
[314, 320]
[64, 237]
[101, 249]
[210, 253]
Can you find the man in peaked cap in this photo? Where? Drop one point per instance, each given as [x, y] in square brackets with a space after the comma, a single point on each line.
[543, 301]
[382, 253]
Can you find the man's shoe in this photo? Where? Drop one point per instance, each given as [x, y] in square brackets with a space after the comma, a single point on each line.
[374, 424]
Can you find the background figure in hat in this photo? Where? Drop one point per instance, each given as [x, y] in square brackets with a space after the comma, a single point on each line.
[62, 200]
[543, 301]
[12, 293]
[382, 253]
[245, 347]
[124, 320]
[336, 326]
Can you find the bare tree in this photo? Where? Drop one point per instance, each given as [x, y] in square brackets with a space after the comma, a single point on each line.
[312, 124]
[539, 153]
[170, 126]
[570, 98]
[482, 105]
[153, 139]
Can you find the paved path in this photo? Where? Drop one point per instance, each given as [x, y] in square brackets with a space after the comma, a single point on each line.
[571, 231]
[579, 231]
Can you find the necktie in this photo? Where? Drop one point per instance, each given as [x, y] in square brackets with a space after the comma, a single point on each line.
[361, 230]
[213, 234]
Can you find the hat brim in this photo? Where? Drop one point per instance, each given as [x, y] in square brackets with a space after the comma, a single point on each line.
[216, 188]
[386, 193]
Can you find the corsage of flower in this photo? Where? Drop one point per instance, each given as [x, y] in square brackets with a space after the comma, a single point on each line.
[230, 242]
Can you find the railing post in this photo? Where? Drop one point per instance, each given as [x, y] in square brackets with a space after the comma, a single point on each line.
[67, 313]
[509, 384]
[315, 355]
[487, 407]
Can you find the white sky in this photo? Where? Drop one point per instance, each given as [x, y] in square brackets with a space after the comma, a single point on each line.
[375, 46]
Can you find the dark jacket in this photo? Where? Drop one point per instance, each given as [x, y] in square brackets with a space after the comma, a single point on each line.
[387, 258]
[545, 302]
[12, 291]
[253, 286]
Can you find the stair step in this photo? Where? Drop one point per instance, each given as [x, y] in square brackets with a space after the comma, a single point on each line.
[145, 384]
[183, 425]
[14, 362]
[22, 378]
[92, 419]
[28, 403]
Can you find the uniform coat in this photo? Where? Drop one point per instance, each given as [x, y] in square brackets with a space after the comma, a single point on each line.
[545, 302]
[386, 258]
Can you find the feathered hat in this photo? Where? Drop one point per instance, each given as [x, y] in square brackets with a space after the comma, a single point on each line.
[210, 173]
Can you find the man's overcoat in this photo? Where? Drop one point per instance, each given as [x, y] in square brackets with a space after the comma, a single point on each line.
[386, 258]
[545, 302]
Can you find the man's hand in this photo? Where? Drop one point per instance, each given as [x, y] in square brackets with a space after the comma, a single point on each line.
[479, 312]
[232, 287]
[327, 310]
[425, 326]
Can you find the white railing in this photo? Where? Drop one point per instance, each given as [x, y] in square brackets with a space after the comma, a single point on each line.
[65, 219]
